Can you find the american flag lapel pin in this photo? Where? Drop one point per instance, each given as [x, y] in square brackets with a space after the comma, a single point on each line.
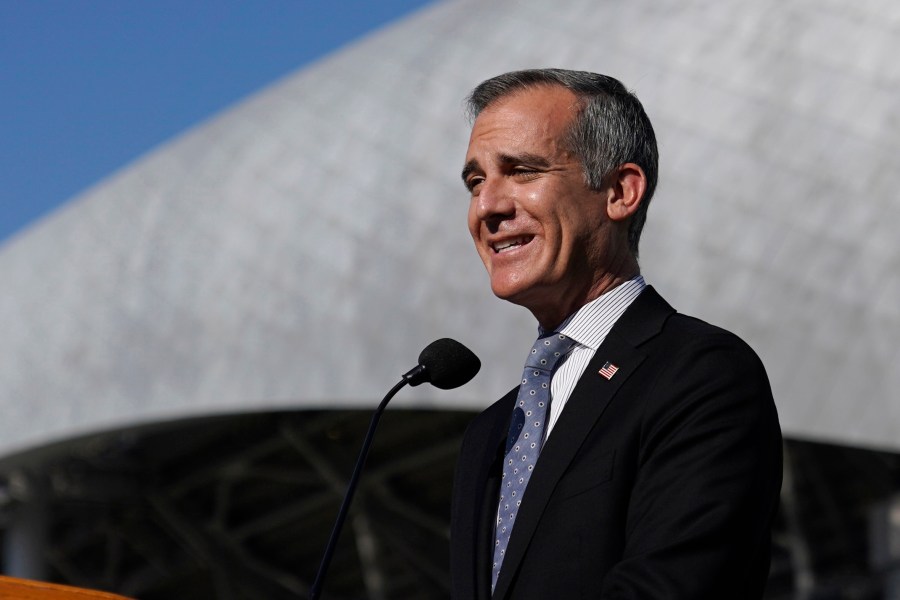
[608, 370]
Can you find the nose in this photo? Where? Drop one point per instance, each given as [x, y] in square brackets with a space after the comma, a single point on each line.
[493, 202]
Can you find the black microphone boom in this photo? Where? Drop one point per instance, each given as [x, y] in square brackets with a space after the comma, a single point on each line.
[444, 363]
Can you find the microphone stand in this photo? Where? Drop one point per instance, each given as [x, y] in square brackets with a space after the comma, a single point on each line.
[316, 588]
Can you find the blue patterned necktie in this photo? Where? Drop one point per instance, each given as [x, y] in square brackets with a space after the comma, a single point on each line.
[526, 435]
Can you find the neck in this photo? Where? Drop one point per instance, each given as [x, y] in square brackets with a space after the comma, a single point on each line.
[550, 318]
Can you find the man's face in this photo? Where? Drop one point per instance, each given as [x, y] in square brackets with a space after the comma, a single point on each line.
[542, 233]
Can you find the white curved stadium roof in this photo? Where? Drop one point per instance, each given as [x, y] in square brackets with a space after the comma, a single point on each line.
[301, 248]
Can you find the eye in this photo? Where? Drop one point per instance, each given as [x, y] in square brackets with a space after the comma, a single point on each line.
[473, 182]
[525, 172]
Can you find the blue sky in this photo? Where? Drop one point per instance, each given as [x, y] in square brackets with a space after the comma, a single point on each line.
[88, 86]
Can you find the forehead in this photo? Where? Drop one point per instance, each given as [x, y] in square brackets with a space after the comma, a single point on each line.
[532, 116]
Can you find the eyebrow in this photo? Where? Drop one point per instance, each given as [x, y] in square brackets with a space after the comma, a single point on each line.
[470, 166]
[526, 158]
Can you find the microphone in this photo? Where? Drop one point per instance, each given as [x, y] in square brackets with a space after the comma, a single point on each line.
[445, 364]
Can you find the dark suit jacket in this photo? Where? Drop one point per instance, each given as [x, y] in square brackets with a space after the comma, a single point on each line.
[660, 483]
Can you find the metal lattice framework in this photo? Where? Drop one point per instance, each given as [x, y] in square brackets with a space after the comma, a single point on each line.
[241, 507]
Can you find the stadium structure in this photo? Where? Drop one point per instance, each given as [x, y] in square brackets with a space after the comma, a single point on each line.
[192, 347]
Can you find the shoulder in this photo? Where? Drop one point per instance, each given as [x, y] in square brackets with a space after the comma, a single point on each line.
[707, 378]
[690, 365]
[654, 326]
[686, 338]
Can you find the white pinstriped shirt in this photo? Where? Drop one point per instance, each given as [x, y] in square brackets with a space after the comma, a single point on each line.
[588, 326]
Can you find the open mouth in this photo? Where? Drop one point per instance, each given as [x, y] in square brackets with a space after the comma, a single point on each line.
[510, 244]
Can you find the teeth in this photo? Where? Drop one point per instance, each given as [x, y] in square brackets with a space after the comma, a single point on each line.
[501, 246]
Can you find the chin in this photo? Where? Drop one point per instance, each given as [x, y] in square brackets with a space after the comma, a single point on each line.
[511, 291]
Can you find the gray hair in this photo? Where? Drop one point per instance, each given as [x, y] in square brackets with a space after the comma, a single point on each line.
[610, 130]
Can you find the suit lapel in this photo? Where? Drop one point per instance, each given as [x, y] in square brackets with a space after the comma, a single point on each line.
[643, 319]
[483, 490]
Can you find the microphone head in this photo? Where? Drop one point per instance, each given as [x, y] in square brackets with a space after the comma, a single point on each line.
[448, 364]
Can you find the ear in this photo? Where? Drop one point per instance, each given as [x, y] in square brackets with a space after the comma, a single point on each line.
[626, 190]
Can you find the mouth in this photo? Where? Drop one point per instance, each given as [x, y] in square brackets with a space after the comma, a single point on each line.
[510, 244]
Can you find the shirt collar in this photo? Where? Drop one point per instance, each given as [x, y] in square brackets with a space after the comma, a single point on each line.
[591, 323]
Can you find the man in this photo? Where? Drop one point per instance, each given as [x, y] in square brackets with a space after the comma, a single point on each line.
[640, 458]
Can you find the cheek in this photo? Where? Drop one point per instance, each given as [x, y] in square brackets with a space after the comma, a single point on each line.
[580, 221]
[475, 231]
[474, 224]
[471, 220]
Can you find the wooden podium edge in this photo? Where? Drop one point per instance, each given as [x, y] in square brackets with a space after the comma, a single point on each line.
[12, 588]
